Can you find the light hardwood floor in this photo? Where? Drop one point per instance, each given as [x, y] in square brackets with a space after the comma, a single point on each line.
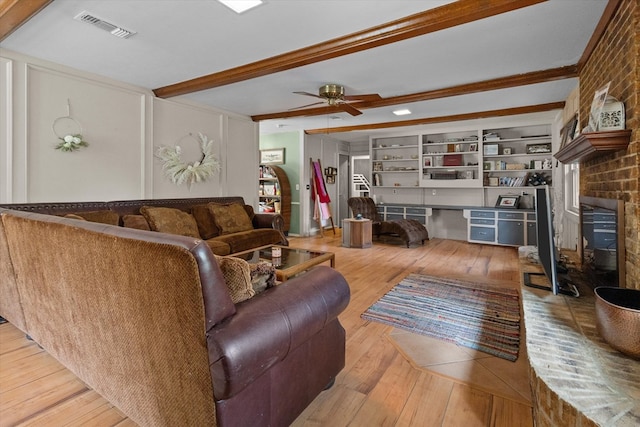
[379, 386]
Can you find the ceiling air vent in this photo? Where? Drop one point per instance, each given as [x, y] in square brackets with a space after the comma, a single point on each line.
[104, 25]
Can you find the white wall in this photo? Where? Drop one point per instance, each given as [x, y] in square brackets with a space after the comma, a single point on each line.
[123, 125]
[325, 149]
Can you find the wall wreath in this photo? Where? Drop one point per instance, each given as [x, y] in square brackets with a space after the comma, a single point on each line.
[181, 172]
[69, 132]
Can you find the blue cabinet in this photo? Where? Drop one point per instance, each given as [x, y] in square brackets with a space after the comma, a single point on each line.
[501, 227]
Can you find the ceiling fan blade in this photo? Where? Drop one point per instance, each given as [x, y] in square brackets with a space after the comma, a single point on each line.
[308, 94]
[304, 106]
[364, 97]
[349, 109]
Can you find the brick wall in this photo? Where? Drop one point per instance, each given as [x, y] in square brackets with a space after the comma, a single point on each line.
[616, 58]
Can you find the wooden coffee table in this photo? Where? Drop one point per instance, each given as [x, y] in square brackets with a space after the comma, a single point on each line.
[293, 261]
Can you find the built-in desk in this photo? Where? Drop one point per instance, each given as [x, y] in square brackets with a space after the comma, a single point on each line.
[488, 225]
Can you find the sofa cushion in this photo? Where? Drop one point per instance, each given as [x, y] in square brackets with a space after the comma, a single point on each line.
[204, 218]
[103, 217]
[237, 277]
[170, 220]
[245, 240]
[139, 222]
[218, 247]
[231, 218]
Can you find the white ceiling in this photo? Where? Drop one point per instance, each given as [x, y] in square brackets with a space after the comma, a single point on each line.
[178, 40]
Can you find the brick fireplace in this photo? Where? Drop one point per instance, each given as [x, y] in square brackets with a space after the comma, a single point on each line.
[616, 58]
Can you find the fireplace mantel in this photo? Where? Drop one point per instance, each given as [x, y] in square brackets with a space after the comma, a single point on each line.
[590, 144]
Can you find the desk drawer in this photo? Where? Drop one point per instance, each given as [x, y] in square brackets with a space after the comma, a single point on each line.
[483, 221]
[484, 234]
[416, 211]
[394, 216]
[483, 214]
[395, 209]
[510, 215]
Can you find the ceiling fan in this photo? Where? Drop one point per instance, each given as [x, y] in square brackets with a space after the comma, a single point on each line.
[333, 95]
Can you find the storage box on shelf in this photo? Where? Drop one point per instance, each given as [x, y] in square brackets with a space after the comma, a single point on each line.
[450, 160]
[395, 161]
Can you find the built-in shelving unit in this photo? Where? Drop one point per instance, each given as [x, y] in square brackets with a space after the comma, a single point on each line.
[511, 156]
[491, 160]
[395, 161]
[450, 160]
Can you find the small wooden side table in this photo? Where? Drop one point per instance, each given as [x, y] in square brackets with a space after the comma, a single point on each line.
[356, 233]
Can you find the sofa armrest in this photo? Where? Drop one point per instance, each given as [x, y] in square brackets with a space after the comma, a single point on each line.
[275, 221]
[267, 327]
[267, 220]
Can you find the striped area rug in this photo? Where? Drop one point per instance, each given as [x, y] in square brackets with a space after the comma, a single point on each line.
[480, 317]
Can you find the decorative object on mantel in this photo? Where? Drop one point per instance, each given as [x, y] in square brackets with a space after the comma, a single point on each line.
[71, 140]
[599, 99]
[181, 172]
[612, 116]
[588, 145]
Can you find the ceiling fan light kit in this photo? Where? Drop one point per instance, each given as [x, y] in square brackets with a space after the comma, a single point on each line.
[332, 93]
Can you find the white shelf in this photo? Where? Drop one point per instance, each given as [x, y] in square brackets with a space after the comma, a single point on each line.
[395, 147]
[452, 168]
[516, 170]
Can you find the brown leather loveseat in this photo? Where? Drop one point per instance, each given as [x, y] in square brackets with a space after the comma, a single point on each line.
[146, 320]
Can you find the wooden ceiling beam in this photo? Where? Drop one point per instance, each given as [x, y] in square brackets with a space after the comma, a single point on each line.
[14, 13]
[447, 16]
[443, 119]
[534, 77]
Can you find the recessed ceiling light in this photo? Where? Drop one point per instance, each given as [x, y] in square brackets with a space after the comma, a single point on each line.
[240, 6]
[402, 112]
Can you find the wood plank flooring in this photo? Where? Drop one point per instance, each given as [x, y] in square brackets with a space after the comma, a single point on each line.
[378, 387]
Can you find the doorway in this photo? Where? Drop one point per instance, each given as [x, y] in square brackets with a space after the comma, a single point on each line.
[344, 181]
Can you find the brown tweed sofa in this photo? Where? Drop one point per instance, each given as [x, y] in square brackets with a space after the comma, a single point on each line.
[146, 320]
[258, 230]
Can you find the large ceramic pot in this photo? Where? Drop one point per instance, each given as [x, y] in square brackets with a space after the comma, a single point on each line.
[618, 318]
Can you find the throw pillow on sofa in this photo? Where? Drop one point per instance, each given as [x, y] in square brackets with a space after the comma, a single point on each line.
[206, 225]
[171, 221]
[103, 217]
[139, 222]
[237, 277]
[231, 218]
[245, 280]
